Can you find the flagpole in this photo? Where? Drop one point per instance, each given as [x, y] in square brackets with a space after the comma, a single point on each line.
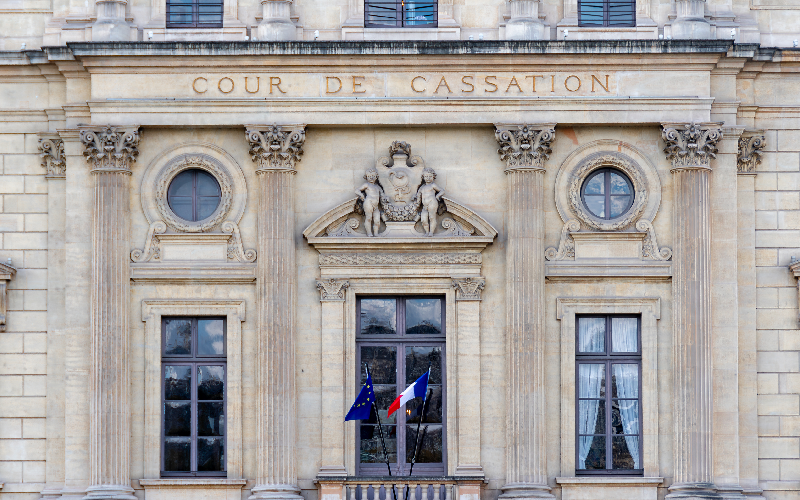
[380, 433]
[419, 423]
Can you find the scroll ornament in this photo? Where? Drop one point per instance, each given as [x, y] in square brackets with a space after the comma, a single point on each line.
[566, 245]
[277, 148]
[650, 248]
[750, 153]
[51, 150]
[524, 146]
[236, 250]
[332, 289]
[469, 288]
[693, 145]
[112, 149]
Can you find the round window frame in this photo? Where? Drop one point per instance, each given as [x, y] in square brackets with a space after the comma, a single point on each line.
[616, 162]
[194, 189]
[607, 196]
[168, 174]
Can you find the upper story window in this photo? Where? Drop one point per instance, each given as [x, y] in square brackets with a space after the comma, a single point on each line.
[401, 13]
[608, 368]
[194, 195]
[194, 13]
[606, 13]
[607, 193]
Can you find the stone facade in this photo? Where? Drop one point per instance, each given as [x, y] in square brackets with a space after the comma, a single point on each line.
[354, 161]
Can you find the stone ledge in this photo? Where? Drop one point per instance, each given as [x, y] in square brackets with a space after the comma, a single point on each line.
[607, 269]
[192, 482]
[192, 272]
[605, 480]
[609, 487]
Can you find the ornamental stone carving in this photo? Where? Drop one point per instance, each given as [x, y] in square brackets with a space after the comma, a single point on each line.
[749, 157]
[566, 245]
[7, 272]
[332, 289]
[691, 145]
[276, 148]
[524, 146]
[378, 259]
[794, 267]
[650, 248]
[469, 288]
[51, 151]
[111, 149]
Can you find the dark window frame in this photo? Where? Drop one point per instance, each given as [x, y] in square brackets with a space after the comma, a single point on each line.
[393, 12]
[607, 171]
[401, 340]
[194, 360]
[608, 358]
[607, 13]
[195, 11]
[195, 196]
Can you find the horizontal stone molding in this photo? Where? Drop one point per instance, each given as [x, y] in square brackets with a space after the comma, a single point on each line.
[195, 273]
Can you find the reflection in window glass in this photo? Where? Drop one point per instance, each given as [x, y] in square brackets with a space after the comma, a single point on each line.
[210, 337]
[378, 316]
[607, 193]
[423, 316]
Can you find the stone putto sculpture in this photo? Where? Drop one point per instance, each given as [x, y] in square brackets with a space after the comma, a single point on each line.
[429, 195]
[370, 194]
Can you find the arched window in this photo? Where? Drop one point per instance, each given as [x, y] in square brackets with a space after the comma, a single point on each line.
[606, 13]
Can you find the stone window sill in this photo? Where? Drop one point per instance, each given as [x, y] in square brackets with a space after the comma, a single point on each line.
[609, 487]
[615, 480]
[189, 482]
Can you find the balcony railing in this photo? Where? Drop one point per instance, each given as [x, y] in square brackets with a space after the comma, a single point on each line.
[606, 13]
[401, 14]
[386, 487]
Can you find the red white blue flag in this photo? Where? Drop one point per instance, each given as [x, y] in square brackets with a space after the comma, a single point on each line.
[415, 390]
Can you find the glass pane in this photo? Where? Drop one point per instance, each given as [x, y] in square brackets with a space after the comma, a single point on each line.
[206, 204]
[624, 416]
[177, 383]
[210, 419]
[177, 419]
[591, 416]
[596, 205]
[595, 184]
[181, 185]
[591, 335]
[210, 337]
[210, 454]
[182, 206]
[619, 184]
[430, 444]
[178, 337]
[419, 358]
[624, 334]
[592, 452]
[434, 408]
[591, 380]
[210, 382]
[625, 452]
[371, 449]
[384, 395]
[424, 316]
[177, 454]
[206, 183]
[378, 316]
[625, 381]
[619, 205]
[382, 362]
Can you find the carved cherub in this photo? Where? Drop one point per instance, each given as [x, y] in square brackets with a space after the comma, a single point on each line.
[429, 194]
[370, 194]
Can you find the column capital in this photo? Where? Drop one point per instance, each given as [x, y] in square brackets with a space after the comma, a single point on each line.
[332, 290]
[524, 146]
[749, 157]
[51, 151]
[691, 145]
[468, 288]
[276, 148]
[110, 148]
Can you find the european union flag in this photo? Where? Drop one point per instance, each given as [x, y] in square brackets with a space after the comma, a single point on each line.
[363, 405]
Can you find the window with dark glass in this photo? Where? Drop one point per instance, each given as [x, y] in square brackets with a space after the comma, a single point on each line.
[194, 13]
[606, 13]
[608, 378]
[194, 195]
[401, 13]
[193, 366]
[399, 338]
[607, 193]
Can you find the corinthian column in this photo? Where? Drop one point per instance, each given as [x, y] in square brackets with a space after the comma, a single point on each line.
[525, 148]
[110, 151]
[690, 148]
[276, 150]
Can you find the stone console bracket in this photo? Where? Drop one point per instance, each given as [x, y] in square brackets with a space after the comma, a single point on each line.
[7, 272]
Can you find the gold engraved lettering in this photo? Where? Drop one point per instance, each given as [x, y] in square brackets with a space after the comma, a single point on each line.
[414, 80]
[490, 83]
[258, 85]
[533, 79]
[595, 79]
[276, 84]
[356, 85]
[442, 82]
[552, 83]
[328, 84]
[472, 87]
[566, 83]
[219, 85]
[194, 85]
[514, 83]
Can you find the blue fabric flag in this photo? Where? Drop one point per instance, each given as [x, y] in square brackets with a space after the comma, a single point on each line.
[363, 404]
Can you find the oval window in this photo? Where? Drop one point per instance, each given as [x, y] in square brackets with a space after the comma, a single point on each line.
[194, 195]
[607, 193]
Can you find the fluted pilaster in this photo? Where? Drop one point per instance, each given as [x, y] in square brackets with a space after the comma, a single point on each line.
[690, 148]
[276, 150]
[525, 149]
[111, 151]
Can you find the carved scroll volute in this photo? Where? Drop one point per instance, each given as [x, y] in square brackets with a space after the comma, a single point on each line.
[750, 146]
[111, 149]
[276, 147]
[469, 288]
[51, 151]
[691, 145]
[525, 146]
[332, 289]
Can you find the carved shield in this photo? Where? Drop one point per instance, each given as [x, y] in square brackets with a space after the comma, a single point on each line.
[400, 181]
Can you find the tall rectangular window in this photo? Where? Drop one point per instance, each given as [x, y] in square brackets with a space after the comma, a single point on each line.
[401, 13]
[399, 338]
[606, 13]
[194, 13]
[193, 366]
[608, 377]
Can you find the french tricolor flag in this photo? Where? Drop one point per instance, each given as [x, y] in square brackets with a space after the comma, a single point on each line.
[415, 390]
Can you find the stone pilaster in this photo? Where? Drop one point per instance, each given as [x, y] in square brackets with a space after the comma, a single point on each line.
[524, 23]
[276, 23]
[525, 148]
[690, 148]
[691, 21]
[275, 151]
[111, 25]
[111, 151]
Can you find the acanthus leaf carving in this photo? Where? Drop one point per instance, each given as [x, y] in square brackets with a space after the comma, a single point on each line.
[749, 156]
[346, 228]
[650, 248]
[469, 288]
[152, 245]
[525, 146]
[51, 151]
[566, 245]
[111, 149]
[454, 229]
[691, 145]
[236, 250]
[277, 147]
[332, 289]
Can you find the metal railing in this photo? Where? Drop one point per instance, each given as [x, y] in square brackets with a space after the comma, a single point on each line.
[401, 14]
[398, 487]
[606, 13]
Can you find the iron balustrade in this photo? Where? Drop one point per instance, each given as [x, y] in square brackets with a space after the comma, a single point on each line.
[606, 13]
[401, 14]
